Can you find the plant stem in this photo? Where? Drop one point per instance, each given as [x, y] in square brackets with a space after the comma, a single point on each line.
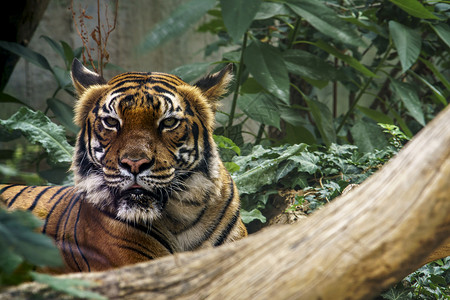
[363, 90]
[260, 133]
[294, 33]
[238, 80]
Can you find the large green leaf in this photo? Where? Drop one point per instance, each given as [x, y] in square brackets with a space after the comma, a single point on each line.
[27, 54]
[64, 113]
[308, 65]
[410, 99]
[177, 23]
[18, 236]
[414, 8]
[351, 61]
[73, 287]
[260, 107]
[6, 98]
[268, 10]
[238, 15]
[325, 20]
[443, 31]
[266, 65]
[38, 129]
[408, 43]
[265, 172]
[376, 115]
[191, 72]
[368, 136]
[324, 120]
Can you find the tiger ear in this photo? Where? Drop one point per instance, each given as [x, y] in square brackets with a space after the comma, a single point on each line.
[83, 78]
[216, 85]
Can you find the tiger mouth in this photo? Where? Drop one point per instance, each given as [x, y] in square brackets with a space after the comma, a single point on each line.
[142, 198]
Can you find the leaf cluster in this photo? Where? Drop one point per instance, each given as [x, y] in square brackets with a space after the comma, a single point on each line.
[382, 61]
[322, 173]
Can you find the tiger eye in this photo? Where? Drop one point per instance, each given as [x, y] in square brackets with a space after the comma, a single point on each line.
[169, 122]
[110, 121]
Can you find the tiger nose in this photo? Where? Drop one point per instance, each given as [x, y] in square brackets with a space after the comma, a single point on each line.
[135, 166]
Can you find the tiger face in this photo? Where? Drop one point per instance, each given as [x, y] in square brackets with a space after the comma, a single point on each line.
[144, 139]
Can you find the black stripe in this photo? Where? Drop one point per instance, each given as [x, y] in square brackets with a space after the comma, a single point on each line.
[72, 204]
[117, 236]
[76, 239]
[55, 236]
[224, 235]
[44, 229]
[153, 232]
[5, 189]
[37, 198]
[213, 228]
[17, 195]
[136, 250]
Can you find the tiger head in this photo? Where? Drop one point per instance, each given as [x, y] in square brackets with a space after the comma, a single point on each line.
[144, 138]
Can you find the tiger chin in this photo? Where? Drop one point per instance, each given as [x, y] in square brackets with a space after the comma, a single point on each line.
[148, 178]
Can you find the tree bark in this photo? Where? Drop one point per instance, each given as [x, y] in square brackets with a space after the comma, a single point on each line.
[353, 248]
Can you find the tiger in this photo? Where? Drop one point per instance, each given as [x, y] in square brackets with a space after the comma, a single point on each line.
[148, 179]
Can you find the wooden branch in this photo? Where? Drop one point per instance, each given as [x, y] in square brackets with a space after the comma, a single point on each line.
[353, 248]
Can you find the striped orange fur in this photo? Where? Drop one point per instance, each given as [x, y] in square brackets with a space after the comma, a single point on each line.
[148, 178]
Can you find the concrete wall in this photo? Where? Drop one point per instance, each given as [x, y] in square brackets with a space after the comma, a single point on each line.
[135, 18]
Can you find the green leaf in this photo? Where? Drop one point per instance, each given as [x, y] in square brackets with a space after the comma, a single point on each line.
[64, 113]
[410, 99]
[226, 143]
[268, 10]
[68, 286]
[408, 43]
[324, 120]
[414, 8]
[308, 65]
[376, 115]
[254, 214]
[436, 72]
[325, 20]
[439, 95]
[186, 15]
[307, 162]
[38, 129]
[17, 234]
[57, 47]
[266, 65]
[26, 53]
[260, 107]
[191, 72]
[6, 98]
[351, 61]
[238, 15]
[368, 136]
[263, 172]
[69, 55]
[443, 31]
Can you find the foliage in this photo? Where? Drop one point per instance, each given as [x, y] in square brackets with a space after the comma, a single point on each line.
[37, 127]
[21, 247]
[431, 281]
[377, 58]
[322, 173]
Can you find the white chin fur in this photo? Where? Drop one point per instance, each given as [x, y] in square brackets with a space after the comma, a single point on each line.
[101, 197]
[137, 215]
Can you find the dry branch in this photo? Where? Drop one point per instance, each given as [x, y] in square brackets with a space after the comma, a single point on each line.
[353, 248]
